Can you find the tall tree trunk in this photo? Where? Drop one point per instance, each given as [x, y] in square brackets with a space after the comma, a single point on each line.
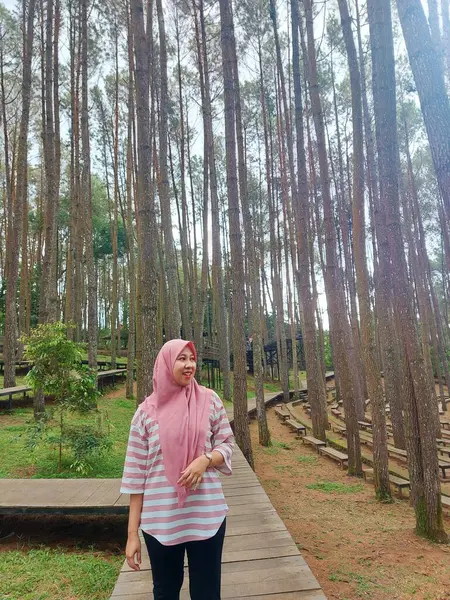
[131, 349]
[239, 354]
[87, 195]
[173, 322]
[343, 351]
[115, 216]
[418, 396]
[384, 318]
[48, 296]
[183, 225]
[373, 376]
[446, 34]
[255, 291]
[15, 226]
[147, 231]
[429, 79]
[217, 269]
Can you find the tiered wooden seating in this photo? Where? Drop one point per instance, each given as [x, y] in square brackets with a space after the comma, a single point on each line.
[367, 473]
[444, 467]
[309, 439]
[340, 457]
[397, 453]
[282, 413]
[398, 482]
[297, 427]
[442, 442]
[365, 425]
[444, 451]
[338, 428]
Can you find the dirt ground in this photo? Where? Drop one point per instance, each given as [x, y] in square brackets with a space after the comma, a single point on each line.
[355, 546]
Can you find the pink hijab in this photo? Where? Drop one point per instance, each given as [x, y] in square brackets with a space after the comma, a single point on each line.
[182, 414]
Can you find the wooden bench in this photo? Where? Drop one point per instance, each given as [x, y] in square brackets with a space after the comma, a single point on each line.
[336, 413]
[397, 453]
[444, 451]
[442, 442]
[338, 428]
[445, 424]
[444, 467]
[105, 377]
[399, 483]
[9, 392]
[367, 473]
[340, 457]
[366, 439]
[281, 414]
[445, 434]
[309, 439]
[365, 425]
[297, 427]
[445, 501]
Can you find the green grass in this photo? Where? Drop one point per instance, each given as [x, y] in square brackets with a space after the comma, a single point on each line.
[309, 460]
[284, 469]
[276, 447]
[47, 574]
[18, 461]
[20, 380]
[364, 585]
[107, 357]
[335, 487]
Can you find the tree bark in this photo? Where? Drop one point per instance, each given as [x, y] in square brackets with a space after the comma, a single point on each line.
[173, 322]
[343, 351]
[217, 267]
[373, 376]
[418, 402]
[239, 354]
[429, 79]
[147, 231]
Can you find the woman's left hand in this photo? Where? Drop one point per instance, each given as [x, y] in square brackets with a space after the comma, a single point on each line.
[193, 473]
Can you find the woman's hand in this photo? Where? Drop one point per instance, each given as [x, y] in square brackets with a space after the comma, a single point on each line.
[133, 551]
[193, 473]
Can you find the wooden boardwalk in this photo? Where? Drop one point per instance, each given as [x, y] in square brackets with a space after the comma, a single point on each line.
[62, 496]
[260, 558]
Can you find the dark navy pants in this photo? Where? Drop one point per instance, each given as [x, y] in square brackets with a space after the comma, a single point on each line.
[204, 562]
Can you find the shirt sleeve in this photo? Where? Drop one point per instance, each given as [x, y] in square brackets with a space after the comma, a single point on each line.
[222, 436]
[135, 469]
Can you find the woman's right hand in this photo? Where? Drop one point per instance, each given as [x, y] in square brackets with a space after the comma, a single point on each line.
[133, 551]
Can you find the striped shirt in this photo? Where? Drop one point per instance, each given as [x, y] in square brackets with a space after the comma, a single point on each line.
[204, 509]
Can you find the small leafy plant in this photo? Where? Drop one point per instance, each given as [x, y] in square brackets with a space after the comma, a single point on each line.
[58, 372]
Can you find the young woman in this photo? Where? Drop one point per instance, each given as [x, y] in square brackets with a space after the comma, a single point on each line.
[180, 438]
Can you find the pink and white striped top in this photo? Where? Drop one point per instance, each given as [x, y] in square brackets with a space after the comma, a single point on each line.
[204, 509]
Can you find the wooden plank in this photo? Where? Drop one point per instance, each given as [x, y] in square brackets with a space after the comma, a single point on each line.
[309, 595]
[290, 578]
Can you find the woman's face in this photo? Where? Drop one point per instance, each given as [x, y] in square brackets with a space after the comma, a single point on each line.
[184, 367]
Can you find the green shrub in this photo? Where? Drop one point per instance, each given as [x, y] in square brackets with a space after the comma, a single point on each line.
[58, 372]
